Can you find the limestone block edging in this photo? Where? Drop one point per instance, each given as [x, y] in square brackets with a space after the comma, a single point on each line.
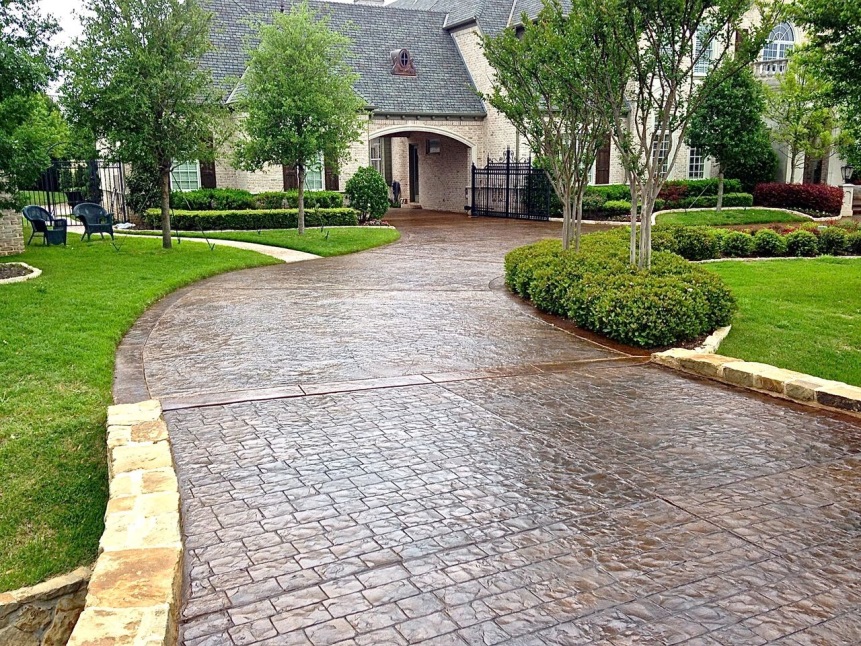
[34, 273]
[44, 614]
[766, 379]
[134, 592]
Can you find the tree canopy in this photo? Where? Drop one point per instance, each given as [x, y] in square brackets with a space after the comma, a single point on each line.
[298, 105]
[135, 81]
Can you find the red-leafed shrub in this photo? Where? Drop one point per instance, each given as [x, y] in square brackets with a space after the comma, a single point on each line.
[811, 198]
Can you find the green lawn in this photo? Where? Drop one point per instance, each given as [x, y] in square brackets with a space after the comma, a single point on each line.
[336, 241]
[58, 336]
[41, 197]
[729, 217]
[803, 315]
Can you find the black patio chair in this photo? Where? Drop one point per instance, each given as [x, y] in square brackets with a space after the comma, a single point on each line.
[95, 220]
[53, 229]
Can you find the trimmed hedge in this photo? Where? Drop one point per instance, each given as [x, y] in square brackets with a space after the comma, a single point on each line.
[815, 199]
[229, 199]
[599, 290]
[730, 200]
[250, 220]
[679, 194]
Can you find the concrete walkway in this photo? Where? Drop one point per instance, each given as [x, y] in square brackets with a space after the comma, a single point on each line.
[386, 448]
[284, 255]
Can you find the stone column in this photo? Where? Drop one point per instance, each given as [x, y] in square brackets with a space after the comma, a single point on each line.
[11, 233]
[848, 198]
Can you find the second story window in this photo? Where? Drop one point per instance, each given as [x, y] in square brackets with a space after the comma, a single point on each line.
[780, 42]
[702, 53]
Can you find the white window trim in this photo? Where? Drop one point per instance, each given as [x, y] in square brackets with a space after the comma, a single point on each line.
[322, 170]
[702, 162]
[175, 180]
[703, 64]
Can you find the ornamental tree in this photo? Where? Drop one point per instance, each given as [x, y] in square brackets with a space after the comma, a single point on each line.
[666, 44]
[800, 116]
[299, 104]
[539, 76]
[134, 80]
[368, 194]
[31, 127]
[727, 126]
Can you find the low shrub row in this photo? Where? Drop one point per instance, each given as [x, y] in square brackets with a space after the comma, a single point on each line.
[705, 243]
[248, 220]
[599, 290]
[228, 199]
[817, 200]
[679, 194]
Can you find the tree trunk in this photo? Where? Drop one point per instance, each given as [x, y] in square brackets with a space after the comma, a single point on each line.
[634, 199]
[566, 221]
[720, 191]
[300, 175]
[793, 160]
[165, 208]
[578, 218]
[649, 197]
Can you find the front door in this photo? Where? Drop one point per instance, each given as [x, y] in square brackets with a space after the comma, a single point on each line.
[414, 174]
[602, 164]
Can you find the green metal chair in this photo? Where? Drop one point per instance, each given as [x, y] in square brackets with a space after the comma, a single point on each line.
[53, 229]
[95, 220]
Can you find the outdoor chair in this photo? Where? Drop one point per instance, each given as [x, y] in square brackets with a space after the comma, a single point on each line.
[95, 220]
[53, 230]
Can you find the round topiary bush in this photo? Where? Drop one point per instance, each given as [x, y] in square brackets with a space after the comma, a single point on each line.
[768, 244]
[599, 290]
[368, 194]
[834, 241]
[737, 244]
[802, 243]
[691, 243]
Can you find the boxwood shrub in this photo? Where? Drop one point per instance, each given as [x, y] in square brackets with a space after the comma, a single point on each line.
[290, 200]
[252, 219]
[229, 199]
[802, 243]
[737, 244]
[599, 290]
[853, 243]
[833, 241]
[692, 243]
[710, 201]
[768, 244]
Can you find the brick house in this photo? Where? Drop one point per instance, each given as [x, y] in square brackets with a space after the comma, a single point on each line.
[421, 70]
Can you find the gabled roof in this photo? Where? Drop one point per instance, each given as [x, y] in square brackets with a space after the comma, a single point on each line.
[443, 85]
[492, 16]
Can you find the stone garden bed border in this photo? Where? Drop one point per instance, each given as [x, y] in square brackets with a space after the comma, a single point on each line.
[34, 273]
[134, 592]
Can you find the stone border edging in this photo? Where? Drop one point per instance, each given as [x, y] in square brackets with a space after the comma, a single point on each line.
[44, 613]
[763, 378]
[134, 592]
[655, 214]
[34, 273]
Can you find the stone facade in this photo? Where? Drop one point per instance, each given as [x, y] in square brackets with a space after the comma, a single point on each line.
[134, 592]
[11, 234]
[43, 615]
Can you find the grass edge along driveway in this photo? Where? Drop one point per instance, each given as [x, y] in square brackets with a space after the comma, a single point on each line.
[730, 217]
[802, 315]
[58, 338]
[335, 241]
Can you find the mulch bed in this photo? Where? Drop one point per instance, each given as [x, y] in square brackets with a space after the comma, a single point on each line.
[13, 271]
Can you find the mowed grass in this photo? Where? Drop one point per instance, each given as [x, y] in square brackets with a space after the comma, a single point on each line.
[802, 315]
[730, 217]
[58, 336]
[41, 197]
[337, 241]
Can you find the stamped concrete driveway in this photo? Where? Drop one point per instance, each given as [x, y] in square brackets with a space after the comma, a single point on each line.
[387, 449]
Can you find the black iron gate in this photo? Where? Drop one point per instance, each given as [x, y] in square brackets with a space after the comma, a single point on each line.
[510, 188]
[68, 183]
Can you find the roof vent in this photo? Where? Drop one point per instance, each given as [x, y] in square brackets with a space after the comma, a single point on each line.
[402, 63]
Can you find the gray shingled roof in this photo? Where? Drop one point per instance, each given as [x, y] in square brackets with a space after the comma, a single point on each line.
[443, 85]
[491, 15]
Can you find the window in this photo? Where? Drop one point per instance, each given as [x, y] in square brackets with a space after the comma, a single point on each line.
[696, 164]
[661, 152]
[402, 63]
[702, 54]
[780, 42]
[314, 178]
[377, 155]
[186, 176]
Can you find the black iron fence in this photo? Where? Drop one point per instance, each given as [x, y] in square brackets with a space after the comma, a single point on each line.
[68, 183]
[510, 188]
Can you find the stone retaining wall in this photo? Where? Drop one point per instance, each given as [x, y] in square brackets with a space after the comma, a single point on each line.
[135, 589]
[786, 384]
[45, 614]
[11, 234]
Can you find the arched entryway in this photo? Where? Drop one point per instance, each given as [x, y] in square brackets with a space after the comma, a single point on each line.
[431, 165]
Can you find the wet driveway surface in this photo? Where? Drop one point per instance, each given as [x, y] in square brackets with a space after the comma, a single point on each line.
[387, 449]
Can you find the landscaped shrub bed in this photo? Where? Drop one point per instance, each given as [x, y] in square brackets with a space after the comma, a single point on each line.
[706, 243]
[229, 199]
[680, 194]
[247, 220]
[598, 289]
[817, 200]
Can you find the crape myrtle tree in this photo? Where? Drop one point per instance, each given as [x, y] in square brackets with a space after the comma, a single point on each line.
[801, 118]
[728, 126]
[665, 43]
[299, 104]
[31, 127]
[539, 76]
[835, 56]
[134, 80]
